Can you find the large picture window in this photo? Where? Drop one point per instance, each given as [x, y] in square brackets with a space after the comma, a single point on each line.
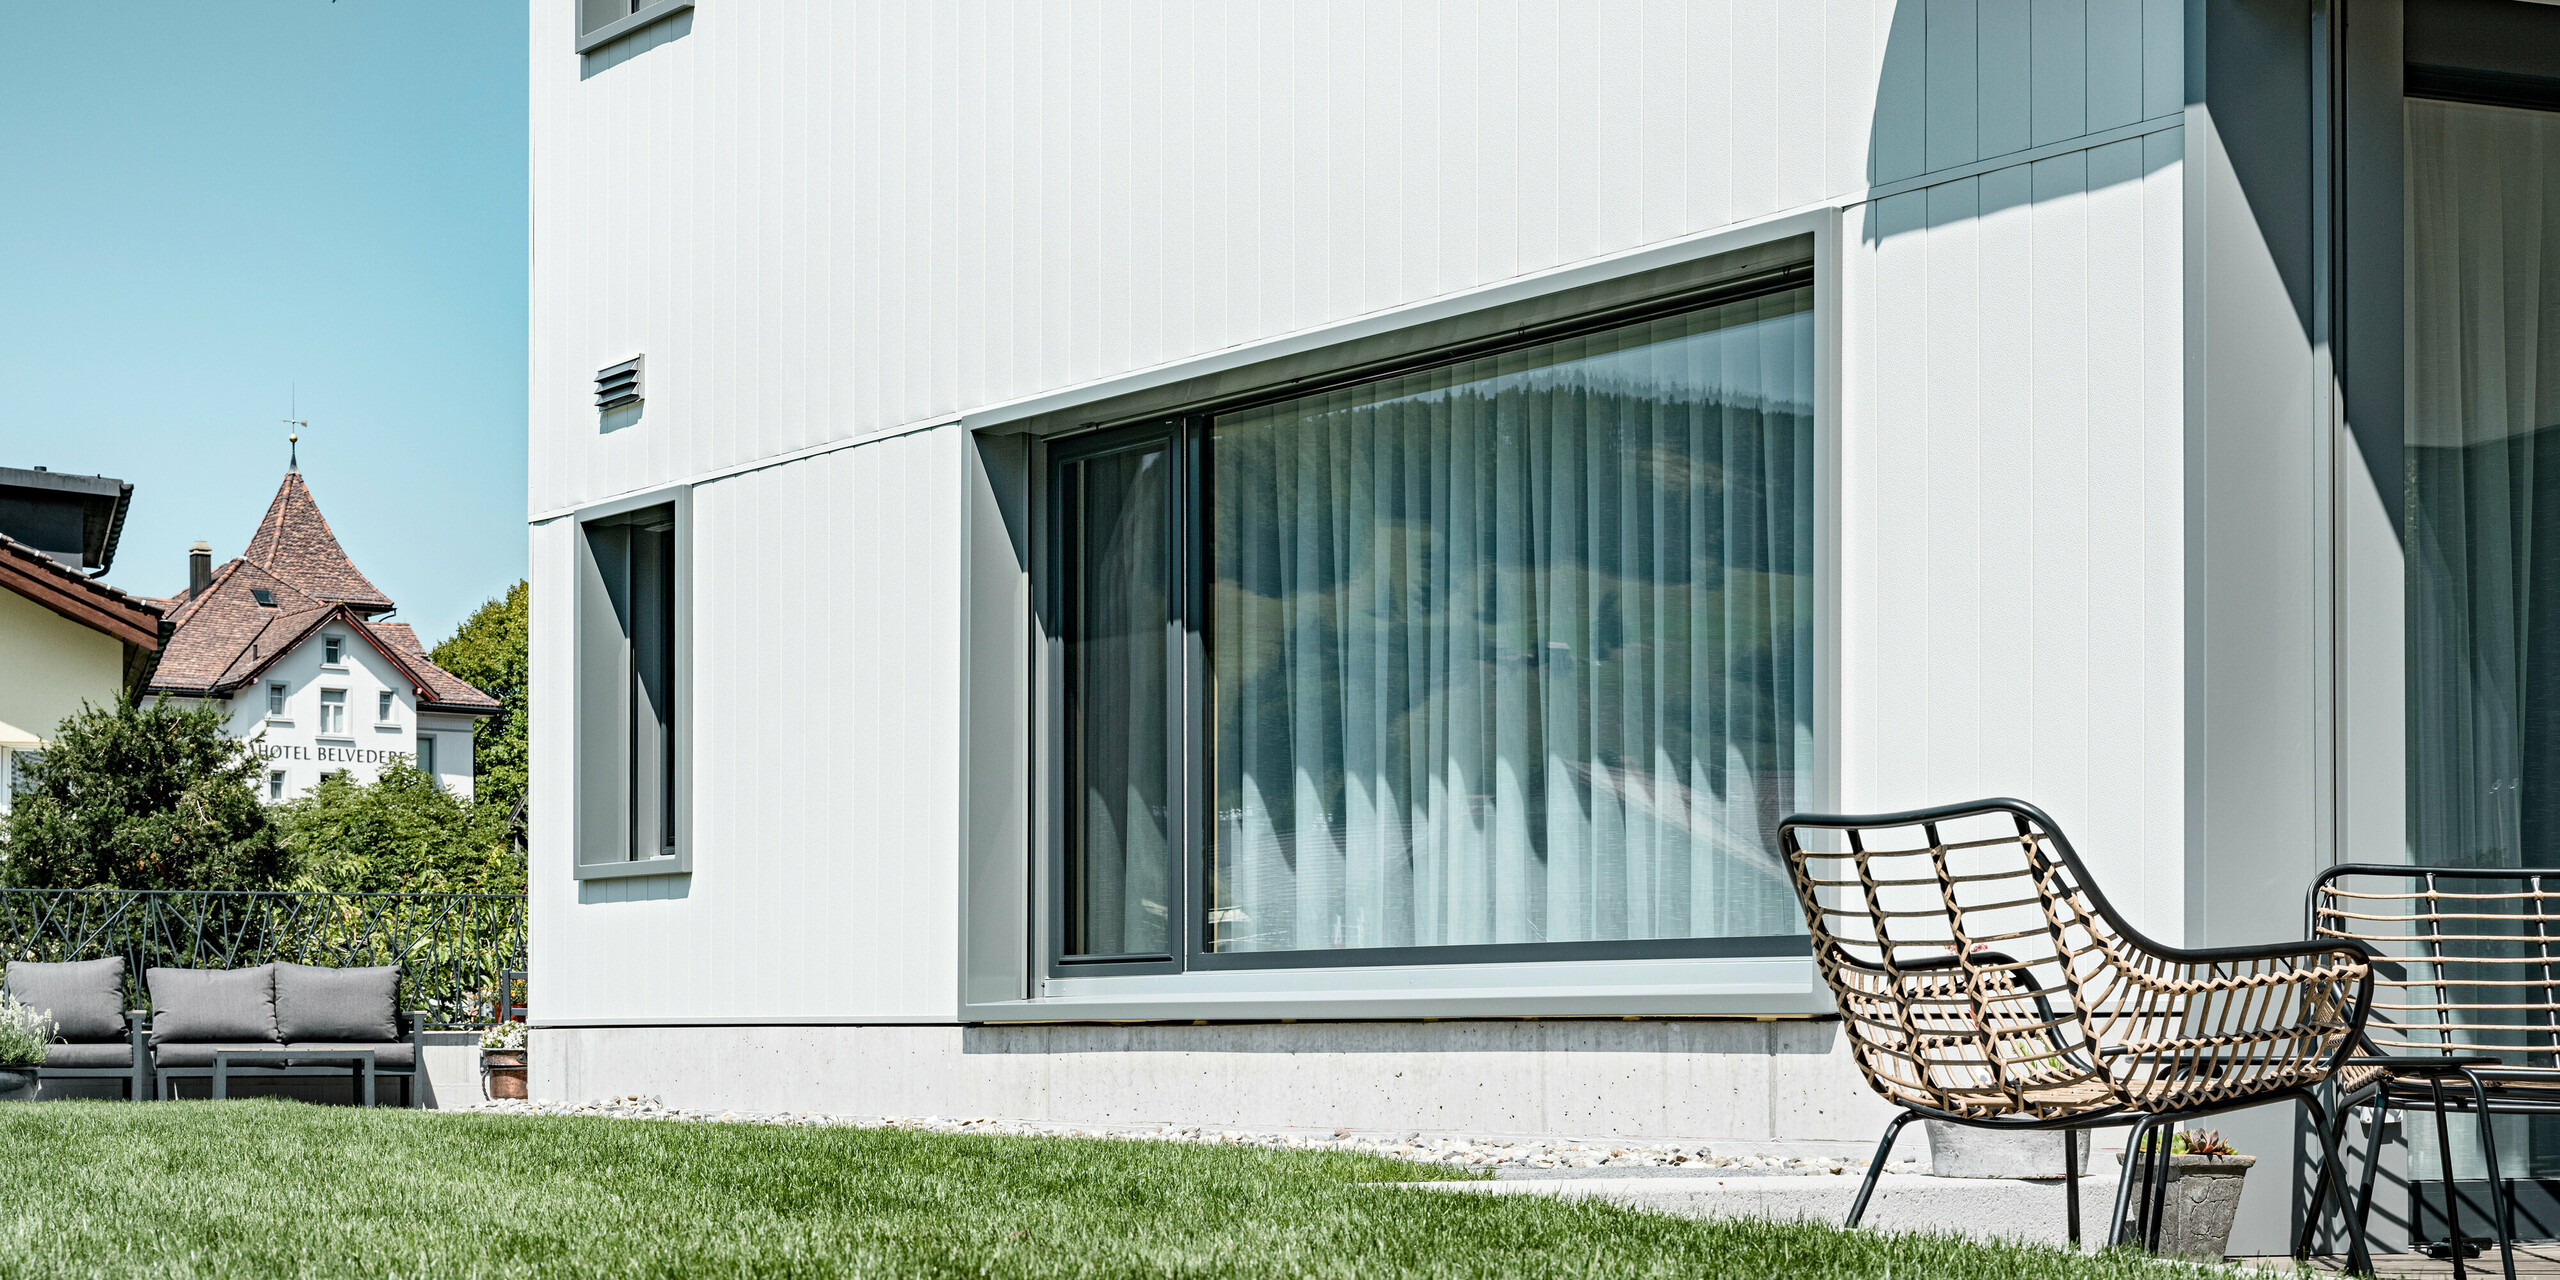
[1512, 652]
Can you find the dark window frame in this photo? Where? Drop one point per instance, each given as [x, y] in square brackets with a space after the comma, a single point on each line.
[1188, 430]
[611, 667]
[601, 22]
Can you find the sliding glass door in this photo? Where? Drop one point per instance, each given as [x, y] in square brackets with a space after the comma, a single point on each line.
[1512, 652]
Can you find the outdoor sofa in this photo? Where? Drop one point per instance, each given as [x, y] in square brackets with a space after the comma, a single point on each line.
[271, 1009]
[97, 1037]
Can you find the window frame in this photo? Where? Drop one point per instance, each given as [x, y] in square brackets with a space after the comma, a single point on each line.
[277, 694]
[422, 754]
[594, 35]
[333, 652]
[275, 785]
[1188, 789]
[384, 703]
[332, 726]
[586, 617]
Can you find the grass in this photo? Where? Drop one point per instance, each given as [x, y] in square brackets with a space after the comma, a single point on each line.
[272, 1188]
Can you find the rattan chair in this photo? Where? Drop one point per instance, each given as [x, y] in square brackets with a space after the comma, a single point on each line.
[1984, 980]
[2466, 1014]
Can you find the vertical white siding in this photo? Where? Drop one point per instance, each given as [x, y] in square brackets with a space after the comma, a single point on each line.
[827, 221]
[822, 221]
[826, 793]
[2013, 474]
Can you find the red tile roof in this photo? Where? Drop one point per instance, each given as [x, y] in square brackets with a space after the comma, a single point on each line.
[77, 597]
[224, 639]
[294, 543]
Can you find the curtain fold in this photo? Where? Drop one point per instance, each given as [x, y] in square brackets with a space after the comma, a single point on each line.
[2483, 278]
[1518, 650]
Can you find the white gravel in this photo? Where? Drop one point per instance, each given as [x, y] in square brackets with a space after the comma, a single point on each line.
[1514, 1154]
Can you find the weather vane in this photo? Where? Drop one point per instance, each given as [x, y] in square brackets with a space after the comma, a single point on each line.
[293, 438]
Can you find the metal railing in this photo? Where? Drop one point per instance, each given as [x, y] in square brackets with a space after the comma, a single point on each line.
[452, 948]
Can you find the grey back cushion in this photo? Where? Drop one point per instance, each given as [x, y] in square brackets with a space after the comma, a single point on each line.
[348, 1005]
[213, 1004]
[85, 999]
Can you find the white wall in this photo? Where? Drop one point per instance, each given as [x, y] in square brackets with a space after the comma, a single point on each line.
[825, 223]
[293, 742]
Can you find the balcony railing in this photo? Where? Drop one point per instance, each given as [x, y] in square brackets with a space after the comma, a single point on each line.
[451, 947]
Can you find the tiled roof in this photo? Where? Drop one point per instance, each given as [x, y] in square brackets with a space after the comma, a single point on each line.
[444, 688]
[294, 543]
[78, 597]
[225, 639]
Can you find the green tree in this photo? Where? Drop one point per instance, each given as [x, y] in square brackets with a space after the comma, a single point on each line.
[400, 833]
[142, 797]
[488, 650]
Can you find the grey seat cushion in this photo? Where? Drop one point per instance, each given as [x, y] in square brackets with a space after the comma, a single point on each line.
[85, 998]
[399, 1055]
[202, 1006]
[118, 1054]
[200, 1053]
[337, 1005]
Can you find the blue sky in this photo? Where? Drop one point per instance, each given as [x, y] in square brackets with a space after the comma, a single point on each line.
[202, 206]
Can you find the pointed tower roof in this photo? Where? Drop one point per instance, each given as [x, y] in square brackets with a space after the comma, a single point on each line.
[294, 544]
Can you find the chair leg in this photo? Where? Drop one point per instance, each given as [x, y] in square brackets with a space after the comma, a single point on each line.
[2501, 1201]
[2359, 1257]
[2452, 1207]
[1875, 1167]
[2157, 1193]
[2373, 1155]
[2071, 1184]
[2126, 1178]
[2320, 1185]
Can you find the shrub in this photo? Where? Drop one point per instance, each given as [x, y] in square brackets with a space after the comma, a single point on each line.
[141, 797]
[401, 833]
[25, 1034]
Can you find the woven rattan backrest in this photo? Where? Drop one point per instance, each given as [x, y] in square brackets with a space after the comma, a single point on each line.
[2475, 956]
[1980, 974]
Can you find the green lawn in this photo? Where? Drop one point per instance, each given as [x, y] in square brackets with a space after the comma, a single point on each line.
[268, 1188]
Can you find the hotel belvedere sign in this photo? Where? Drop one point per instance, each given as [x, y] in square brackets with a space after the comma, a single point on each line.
[331, 755]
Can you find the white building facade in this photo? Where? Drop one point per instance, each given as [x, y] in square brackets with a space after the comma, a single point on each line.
[1335, 532]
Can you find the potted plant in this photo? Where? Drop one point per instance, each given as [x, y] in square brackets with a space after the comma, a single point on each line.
[25, 1036]
[502, 1061]
[2205, 1177]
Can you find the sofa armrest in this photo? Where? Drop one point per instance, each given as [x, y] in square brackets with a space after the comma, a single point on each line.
[417, 1020]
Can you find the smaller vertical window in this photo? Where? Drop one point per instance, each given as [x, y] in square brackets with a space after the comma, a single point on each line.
[332, 650]
[275, 785]
[275, 699]
[426, 753]
[382, 706]
[333, 711]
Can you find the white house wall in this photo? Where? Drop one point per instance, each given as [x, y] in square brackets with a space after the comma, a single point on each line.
[827, 223]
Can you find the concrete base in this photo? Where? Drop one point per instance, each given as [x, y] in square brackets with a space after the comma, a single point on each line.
[1981, 1208]
[1757, 1082]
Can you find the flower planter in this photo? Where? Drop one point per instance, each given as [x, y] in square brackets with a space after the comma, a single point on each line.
[502, 1073]
[17, 1084]
[2203, 1197]
[1964, 1151]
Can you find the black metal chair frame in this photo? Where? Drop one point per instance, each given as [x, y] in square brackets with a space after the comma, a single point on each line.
[136, 1078]
[2193, 1061]
[2484, 1085]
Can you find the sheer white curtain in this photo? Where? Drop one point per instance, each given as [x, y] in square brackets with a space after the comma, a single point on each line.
[1521, 650]
[2483, 533]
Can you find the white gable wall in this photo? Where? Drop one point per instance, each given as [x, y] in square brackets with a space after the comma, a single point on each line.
[294, 743]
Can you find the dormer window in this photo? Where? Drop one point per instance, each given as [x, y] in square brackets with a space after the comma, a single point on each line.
[266, 599]
[333, 651]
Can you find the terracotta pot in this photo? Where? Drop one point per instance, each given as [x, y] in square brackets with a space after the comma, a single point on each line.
[502, 1072]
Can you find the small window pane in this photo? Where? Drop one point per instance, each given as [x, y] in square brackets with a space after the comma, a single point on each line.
[1119, 610]
[331, 650]
[382, 706]
[426, 754]
[275, 699]
[333, 711]
[275, 785]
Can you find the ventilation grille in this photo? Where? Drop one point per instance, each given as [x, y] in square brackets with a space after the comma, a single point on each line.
[619, 385]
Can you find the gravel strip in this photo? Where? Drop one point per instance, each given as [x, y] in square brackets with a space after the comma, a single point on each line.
[1482, 1153]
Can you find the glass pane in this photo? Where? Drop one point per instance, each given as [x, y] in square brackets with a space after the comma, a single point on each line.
[1520, 650]
[2483, 534]
[1120, 571]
